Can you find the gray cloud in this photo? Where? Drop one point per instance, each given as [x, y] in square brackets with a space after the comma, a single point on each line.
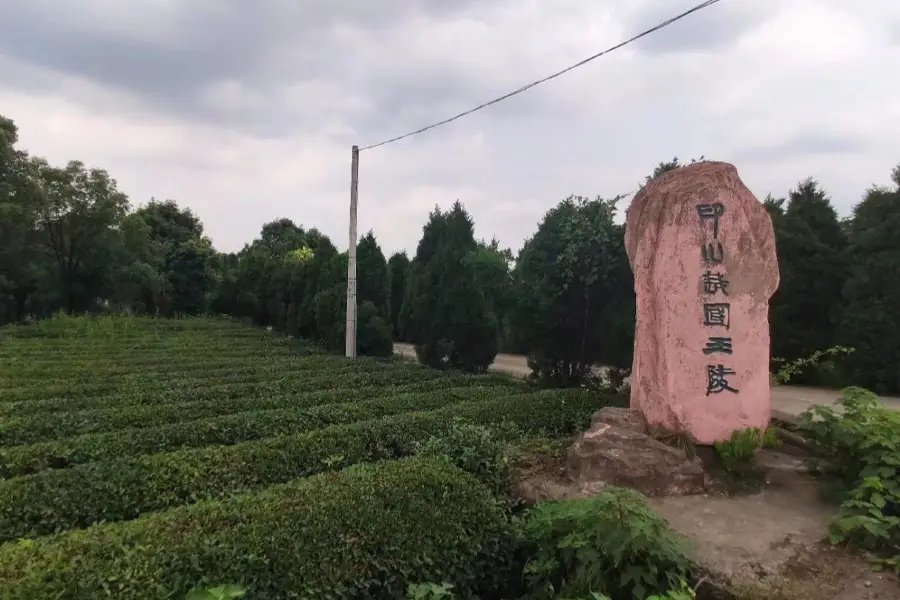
[264, 47]
[808, 143]
[246, 111]
[709, 29]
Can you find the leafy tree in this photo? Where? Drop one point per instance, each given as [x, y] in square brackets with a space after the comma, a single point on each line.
[397, 268]
[78, 219]
[181, 255]
[810, 241]
[282, 236]
[445, 313]
[138, 280]
[24, 264]
[491, 266]
[575, 292]
[372, 283]
[188, 275]
[168, 224]
[373, 332]
[870, 321]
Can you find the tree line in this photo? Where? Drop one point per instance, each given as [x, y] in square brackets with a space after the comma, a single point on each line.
[70, 240]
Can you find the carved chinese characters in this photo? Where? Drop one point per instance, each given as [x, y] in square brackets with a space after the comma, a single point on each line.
[715, 314]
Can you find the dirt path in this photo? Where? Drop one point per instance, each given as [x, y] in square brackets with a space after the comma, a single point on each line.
[787, 400]
[772, 545]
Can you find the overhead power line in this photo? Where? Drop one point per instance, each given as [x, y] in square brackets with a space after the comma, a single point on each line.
[665, 23]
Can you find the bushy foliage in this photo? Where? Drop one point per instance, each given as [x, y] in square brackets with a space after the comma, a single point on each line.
[810, 241]
[475, 449]
[737, 453]
[445, 313]
[228, 429]
[398, 265]
[364, 532]
[861, 446]
[612, 544]
[869, 320]
[574, 293]
[373, 335]
[372, 283]
[123, 489]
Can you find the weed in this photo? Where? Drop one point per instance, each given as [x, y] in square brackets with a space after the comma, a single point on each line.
[737, 454]
[219, 592]
[861, 447]
[612, 542]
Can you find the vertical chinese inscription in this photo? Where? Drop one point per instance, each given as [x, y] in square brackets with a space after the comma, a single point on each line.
[716, 308]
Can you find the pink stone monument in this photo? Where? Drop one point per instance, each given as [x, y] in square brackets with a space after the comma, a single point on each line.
[702, 250]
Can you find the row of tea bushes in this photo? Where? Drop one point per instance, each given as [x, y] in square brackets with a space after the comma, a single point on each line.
[361, 533]
[119, 490]
[33, 426]
[225, 430]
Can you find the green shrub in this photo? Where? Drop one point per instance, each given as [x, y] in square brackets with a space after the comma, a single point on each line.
[612, 543]
[862, 448]
[224, 430]
[159, 389]
[231, 398]
[475, 449]
[219, 592]
[738, 453]
[429, 591]
[375, 336]
[63, 499]
[39, 427]
[362, 533]
[446, 311]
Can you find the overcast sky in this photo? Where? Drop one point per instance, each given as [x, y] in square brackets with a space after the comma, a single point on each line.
[246, 111]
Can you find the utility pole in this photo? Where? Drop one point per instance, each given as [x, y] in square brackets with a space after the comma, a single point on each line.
[350, 345]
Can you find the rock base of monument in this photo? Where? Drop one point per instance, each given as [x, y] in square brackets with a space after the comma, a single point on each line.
[618, 450]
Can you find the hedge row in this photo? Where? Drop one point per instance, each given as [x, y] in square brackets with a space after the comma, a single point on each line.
[292, 382]
[236, 393]
[137, 382]
[149, 347]
[74, 345]
[225, 430]
[120, 490]
[362, 533]
[38, 427]
[124, 324]
[188, 364]
[182, 369]
[150, 353]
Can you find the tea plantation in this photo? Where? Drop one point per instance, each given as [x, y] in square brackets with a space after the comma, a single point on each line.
[144, 458]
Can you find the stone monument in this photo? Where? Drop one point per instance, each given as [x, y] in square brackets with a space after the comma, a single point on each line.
[702, 249]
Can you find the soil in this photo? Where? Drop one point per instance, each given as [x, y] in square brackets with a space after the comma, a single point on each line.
[770, 545]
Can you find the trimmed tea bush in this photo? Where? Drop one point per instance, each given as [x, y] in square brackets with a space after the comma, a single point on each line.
[63, 499]
[225, 430]
[362, 533]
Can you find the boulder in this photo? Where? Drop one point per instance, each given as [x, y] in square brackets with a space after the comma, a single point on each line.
[616, 450]
[702, 249]
[620, 417]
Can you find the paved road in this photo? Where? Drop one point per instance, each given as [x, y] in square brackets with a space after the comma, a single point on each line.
[787, 400]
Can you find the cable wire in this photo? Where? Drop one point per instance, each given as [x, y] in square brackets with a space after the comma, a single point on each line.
[665, 23]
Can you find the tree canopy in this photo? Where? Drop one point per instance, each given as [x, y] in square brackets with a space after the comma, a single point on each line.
[71, 240]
